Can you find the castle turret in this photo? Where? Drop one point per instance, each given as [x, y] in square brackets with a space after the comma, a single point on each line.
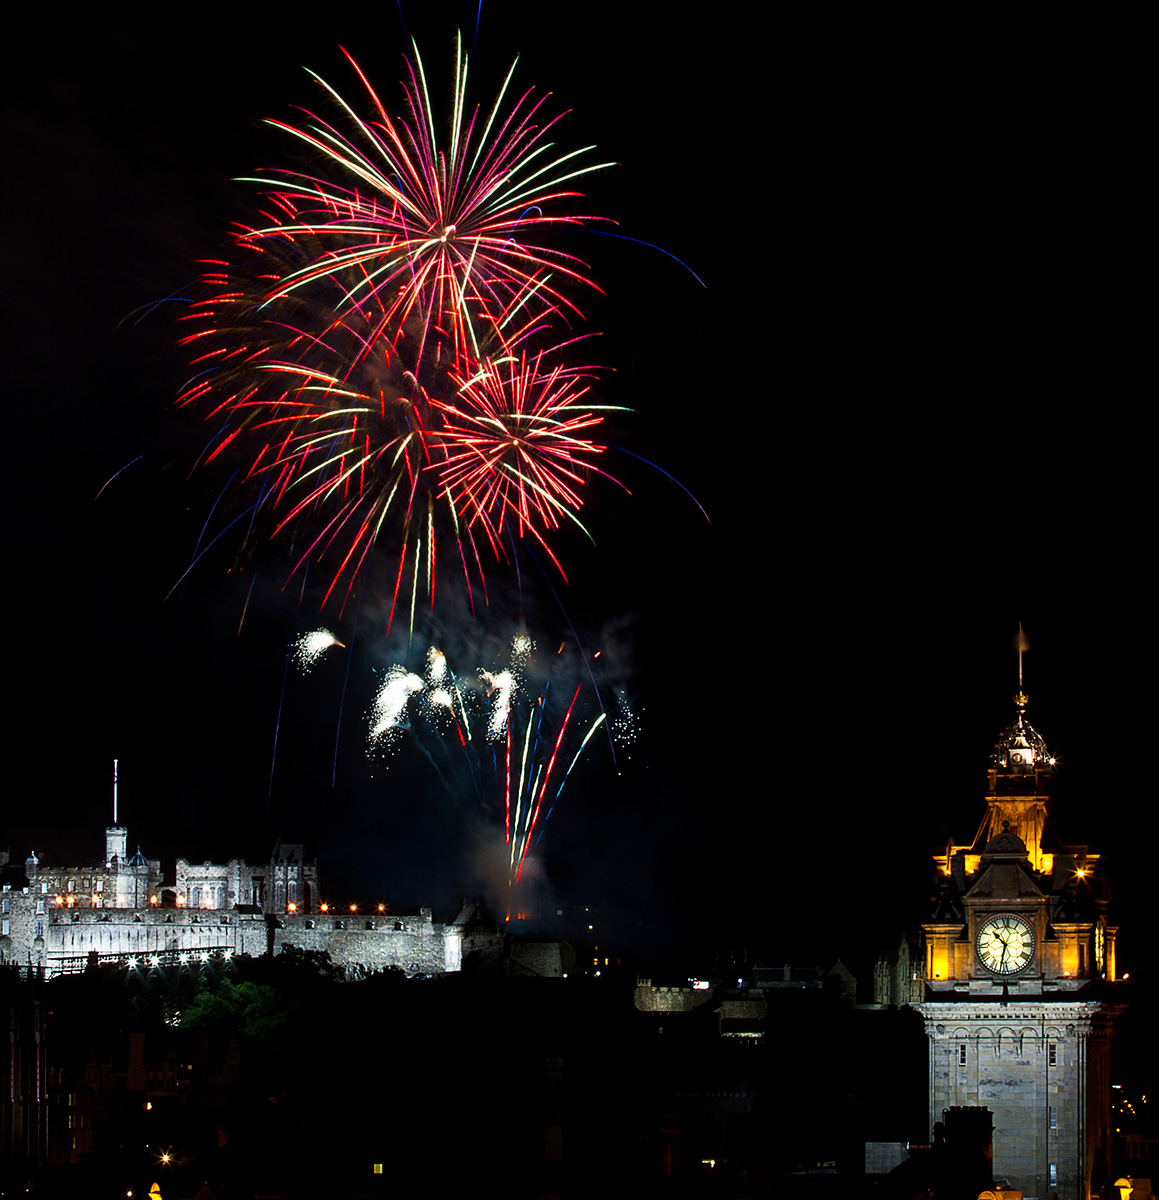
[116, 845]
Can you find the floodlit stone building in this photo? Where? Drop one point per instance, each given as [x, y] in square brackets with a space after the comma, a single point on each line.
[54, 919]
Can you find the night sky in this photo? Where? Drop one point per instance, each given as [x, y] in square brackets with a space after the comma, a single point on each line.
[908, 399]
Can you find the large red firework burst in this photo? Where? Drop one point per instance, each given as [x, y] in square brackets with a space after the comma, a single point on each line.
[376, 352]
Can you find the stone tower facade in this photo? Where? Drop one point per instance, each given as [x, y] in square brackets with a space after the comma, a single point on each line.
[1016, 970]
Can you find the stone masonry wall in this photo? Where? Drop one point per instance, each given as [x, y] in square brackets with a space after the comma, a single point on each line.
[416, 944]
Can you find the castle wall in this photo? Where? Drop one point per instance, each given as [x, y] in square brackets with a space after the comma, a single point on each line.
[417, 945]
[59, 939]
[72, 935]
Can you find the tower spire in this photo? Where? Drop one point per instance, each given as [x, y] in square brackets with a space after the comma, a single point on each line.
[115, 788]
[1023, 643]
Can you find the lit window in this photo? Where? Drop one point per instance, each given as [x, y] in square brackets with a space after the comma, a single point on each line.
[1053, 1174]
[1052, 1054]
[1053, 1117]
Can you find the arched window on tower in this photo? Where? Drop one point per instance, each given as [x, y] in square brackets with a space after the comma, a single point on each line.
[195, 898]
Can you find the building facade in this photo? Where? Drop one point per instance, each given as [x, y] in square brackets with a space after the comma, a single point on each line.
[54, 919]
[1015, 980]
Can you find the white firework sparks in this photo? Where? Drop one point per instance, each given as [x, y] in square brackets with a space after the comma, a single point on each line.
[390, 704]
[311, 646]
[500, 687]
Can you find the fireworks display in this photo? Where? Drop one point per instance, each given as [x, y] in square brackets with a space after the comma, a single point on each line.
[511, 745]
[389, 361]
[387, 355]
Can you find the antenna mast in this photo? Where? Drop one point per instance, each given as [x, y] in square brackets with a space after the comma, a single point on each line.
[115, 774]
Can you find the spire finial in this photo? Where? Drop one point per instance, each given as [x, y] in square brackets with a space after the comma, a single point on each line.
[1022, 642]
[114, 791]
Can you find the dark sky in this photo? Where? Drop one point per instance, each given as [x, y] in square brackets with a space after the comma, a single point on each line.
[908, 399]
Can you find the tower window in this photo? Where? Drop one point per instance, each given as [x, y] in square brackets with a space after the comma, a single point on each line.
[1053, 1117]
[1052, 1054]
[961, 1054]
[1053, 1174]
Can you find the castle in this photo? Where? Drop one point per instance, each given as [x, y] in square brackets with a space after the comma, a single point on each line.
[54, 920]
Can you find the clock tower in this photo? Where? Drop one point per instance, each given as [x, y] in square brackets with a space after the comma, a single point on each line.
[1018, 968]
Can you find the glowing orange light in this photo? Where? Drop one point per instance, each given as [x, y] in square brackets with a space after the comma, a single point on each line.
[354, 908]
[152, 899]
[291, 907]
[325, 907]
[382, 908]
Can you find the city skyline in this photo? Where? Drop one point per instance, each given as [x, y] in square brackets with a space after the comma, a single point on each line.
[897, 399]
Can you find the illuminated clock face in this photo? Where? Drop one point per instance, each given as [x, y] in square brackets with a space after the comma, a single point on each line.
[1005, 944]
